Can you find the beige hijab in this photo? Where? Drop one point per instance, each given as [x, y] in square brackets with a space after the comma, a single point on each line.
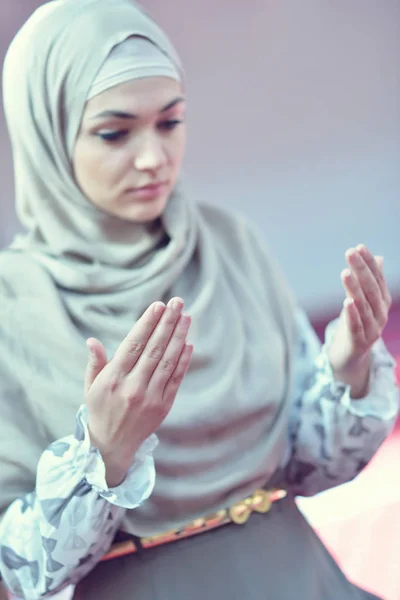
[78, 272]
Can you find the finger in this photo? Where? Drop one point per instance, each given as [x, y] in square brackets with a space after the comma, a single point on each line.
[375, 265]
[158, 342]
[133, 345]
[354, 323]
[354, 292]
[381, 264]
[178, 375]
[379, 261]
[368, 284]
[96, 362]
[170, 359]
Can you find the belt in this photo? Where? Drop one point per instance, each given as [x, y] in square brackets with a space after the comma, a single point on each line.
[260, 502]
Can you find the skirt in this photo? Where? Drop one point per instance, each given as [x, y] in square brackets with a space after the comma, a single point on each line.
[274, 556]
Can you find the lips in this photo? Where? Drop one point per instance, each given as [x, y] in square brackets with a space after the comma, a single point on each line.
[151, 187]
[147, 192]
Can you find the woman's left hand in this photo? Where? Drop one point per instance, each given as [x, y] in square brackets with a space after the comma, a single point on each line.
[363, 318]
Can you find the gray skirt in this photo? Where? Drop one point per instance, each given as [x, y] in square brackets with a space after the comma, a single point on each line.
[275, 556]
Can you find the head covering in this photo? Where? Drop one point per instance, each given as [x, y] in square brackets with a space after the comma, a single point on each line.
[134, 58]
[78, 272]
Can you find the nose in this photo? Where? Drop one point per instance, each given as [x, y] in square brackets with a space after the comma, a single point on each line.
[149, 154]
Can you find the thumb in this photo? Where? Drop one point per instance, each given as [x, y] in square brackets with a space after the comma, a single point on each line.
[96, 362]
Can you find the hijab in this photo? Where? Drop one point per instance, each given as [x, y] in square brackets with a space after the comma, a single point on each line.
[77, 272]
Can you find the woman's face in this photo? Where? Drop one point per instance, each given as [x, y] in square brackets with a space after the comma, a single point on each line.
[130, 147]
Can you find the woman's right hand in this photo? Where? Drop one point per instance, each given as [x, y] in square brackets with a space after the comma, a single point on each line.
[129, 397]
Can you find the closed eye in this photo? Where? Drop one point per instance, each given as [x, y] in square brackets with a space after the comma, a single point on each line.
[112, 136]
[118, 135]
[169, 125]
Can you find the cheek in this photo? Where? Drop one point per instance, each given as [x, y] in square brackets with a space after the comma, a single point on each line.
[113, 164]
[97, 168]
[177, 148]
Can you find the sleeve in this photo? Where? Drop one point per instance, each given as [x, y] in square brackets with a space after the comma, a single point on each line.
[331, 436]
[55, 535]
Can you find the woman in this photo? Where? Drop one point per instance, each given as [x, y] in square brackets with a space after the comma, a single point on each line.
[94, 101]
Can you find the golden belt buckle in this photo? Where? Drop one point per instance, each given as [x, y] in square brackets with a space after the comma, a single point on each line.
[260, 502]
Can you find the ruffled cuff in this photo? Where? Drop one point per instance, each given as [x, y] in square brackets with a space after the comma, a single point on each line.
[381, 401]
[71, 465]
[140, 479]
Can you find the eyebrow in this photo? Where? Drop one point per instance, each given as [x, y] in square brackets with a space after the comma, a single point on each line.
[124, 115]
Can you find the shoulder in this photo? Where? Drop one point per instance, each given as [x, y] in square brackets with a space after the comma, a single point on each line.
[236, 232]
[226, 220]
[242, 240]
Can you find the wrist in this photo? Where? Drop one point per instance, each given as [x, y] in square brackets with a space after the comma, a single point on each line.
[116, 466]
[116, 469]
[115, 475]
[356, 375]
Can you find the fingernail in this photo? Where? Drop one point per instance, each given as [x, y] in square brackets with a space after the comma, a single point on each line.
[158, 308]
[175, 303]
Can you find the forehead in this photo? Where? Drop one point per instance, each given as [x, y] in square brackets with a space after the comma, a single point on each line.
[149, 94]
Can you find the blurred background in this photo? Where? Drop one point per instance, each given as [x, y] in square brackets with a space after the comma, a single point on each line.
[294, 119]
